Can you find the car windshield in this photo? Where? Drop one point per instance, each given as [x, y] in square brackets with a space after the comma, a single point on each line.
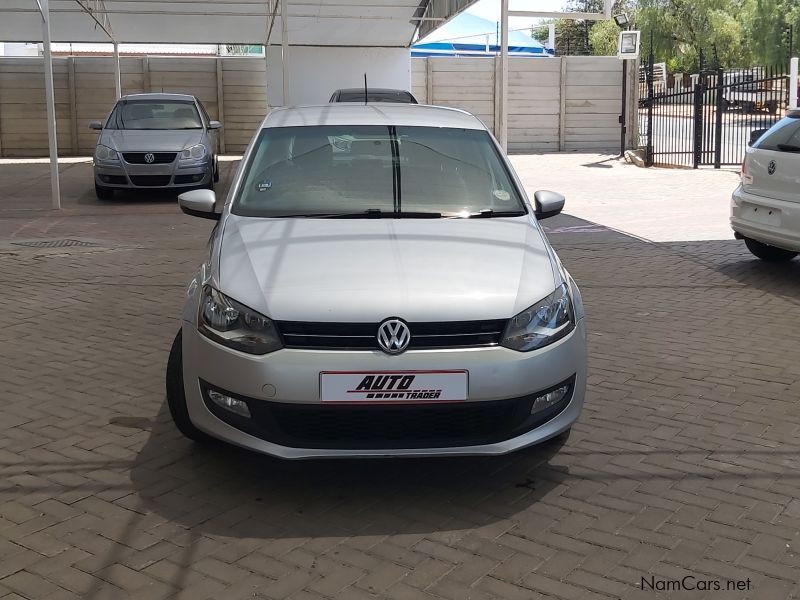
[375, 171]
[154, 114]
[783, 137]
[375, 96]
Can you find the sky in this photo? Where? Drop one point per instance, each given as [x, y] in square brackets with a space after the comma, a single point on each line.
[490, 10]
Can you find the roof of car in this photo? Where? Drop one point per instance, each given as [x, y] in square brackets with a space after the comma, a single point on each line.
[412, 115]
[159, 96]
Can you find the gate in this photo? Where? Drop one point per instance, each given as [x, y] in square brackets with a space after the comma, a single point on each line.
[712, 122]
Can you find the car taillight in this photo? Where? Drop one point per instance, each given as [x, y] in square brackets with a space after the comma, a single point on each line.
[746, 178]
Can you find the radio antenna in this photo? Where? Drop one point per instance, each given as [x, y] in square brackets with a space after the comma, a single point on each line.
[365, 89]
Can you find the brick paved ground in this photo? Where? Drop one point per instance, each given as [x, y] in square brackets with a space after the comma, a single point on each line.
[685, 461]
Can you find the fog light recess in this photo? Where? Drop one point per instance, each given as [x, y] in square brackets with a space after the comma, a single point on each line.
[549, 399]
[231, 404]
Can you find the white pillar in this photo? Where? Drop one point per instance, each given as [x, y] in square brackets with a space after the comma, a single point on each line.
[51, 105]
[551, 37]
[285, 50]
[117, 74]
[266, 74]
[503, 100]
[793, 64]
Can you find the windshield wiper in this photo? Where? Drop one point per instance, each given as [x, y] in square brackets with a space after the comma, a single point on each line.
[377, 213]
[371, 213]
[486, 213]
[788, 148]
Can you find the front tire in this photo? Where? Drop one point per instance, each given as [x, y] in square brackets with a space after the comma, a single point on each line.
[176, 395]
[768, 253]
[103, 193]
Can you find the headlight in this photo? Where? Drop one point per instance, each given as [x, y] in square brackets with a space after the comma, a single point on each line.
[543, 323]
[195, 152]
[233, 325]
[105, 153]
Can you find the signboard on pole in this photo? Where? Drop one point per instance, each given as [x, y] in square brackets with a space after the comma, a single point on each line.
[628, 44]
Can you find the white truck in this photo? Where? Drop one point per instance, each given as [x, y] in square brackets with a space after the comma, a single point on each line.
[749, 92]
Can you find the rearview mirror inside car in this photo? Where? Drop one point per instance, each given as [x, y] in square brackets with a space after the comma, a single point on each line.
[755, 134]
[548, 204]
[199, 203]
[96, 125]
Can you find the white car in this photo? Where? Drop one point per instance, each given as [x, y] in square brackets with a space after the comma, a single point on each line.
[765, 208]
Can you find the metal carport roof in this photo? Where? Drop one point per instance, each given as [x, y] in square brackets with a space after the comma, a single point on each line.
[384, 23]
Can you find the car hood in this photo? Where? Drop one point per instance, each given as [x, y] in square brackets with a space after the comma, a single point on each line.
[365, 270]
[150, 140]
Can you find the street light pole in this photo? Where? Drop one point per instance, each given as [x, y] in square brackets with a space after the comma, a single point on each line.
[623, 130]
[623, 23]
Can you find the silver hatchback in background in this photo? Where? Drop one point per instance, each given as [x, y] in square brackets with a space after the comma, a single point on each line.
[155, 141]
[378, 285]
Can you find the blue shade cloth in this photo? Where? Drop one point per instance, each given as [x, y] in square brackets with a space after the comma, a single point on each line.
[466, 35]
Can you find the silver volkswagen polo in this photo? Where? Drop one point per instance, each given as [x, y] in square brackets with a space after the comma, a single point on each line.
[377, 284]
[155, 141]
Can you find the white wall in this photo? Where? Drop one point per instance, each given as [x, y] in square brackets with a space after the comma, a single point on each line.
[554, 104]
[18, 49]
[316, 71]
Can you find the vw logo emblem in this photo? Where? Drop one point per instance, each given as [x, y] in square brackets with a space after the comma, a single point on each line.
[393, 336]
[771, 168]
[149, 158]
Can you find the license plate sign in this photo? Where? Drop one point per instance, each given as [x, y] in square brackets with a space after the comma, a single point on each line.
[393, 386]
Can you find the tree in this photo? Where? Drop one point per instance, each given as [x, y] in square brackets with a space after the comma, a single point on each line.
[726, 33]
[577, 36]
[604, 38]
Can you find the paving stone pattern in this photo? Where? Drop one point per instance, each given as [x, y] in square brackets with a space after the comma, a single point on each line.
[684, 463]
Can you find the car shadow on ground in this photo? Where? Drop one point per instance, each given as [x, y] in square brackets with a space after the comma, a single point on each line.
[129, 198]
[218, 489]
[732, 260]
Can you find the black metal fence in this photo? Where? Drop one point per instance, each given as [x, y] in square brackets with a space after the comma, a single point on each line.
[711, 121]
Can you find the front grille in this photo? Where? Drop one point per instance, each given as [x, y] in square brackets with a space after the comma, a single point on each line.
[151, 180]
[393, 426]
[159, 158]
[376, 426]
[363, 336]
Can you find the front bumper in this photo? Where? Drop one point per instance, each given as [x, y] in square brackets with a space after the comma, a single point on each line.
[289, 380]
[767, 220]
[123, 175]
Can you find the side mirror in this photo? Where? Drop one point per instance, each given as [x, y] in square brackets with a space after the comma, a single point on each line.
[548, 204]
[199, 203]
[755, 134]
[214, 125]
[96, 125]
